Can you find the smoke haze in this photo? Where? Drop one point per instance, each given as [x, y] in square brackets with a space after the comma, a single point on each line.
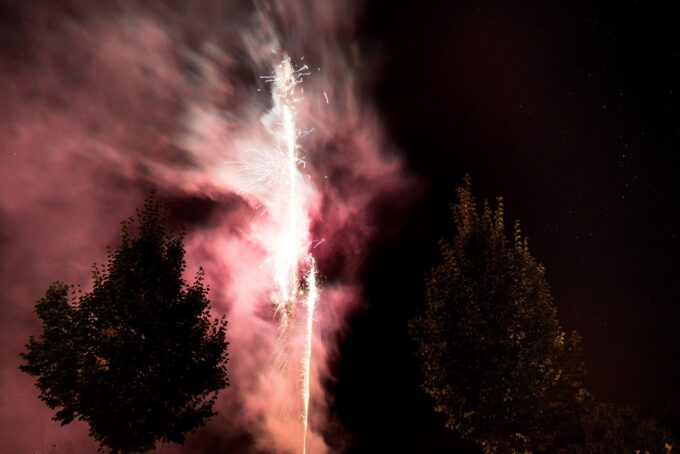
[102, 102]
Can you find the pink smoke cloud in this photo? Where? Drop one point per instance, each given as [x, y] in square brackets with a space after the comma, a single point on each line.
[104, 103]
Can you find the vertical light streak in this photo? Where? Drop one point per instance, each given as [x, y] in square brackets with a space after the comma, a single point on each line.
[291, 245]
[310, 303]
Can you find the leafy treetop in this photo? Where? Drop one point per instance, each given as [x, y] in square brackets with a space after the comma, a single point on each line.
[493, 355]
[138, 358]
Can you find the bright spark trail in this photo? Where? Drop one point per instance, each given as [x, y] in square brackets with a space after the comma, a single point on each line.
[310, 303]
[288, 254]
[277, 172]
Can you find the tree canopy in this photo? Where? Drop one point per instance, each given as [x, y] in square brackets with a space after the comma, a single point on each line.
[493, 355]
[138, 358]
[612, 429]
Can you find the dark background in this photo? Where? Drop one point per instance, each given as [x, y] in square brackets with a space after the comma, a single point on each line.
[570, 111]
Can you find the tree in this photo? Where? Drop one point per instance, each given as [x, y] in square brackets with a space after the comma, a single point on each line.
[610, 429]
[138, 358]
[494, 358]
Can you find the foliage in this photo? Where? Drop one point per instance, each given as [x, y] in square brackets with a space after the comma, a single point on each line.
[494, 358]
[138, 358]
[609, 429]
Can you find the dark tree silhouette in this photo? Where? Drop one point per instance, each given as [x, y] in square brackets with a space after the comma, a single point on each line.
[494, 358]
[138, 358]
[610, 429]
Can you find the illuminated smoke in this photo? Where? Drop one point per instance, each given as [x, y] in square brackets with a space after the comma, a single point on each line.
[108, 99]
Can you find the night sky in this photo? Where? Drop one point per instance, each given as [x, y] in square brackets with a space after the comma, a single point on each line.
[567, 109]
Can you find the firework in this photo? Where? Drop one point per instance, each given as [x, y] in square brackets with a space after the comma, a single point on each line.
[274, 176]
